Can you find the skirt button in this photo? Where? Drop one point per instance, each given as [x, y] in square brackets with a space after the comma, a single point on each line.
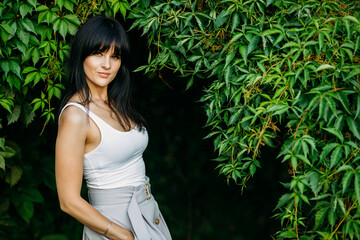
[157, 221]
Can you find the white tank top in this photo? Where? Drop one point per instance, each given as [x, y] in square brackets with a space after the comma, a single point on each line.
[118, 159]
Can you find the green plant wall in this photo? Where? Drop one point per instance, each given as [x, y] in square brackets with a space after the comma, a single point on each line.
[34, 41]
[284, 74]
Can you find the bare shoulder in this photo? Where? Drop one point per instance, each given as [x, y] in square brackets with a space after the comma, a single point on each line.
[73, 115]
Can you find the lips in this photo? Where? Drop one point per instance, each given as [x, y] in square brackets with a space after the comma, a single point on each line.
[103, 74]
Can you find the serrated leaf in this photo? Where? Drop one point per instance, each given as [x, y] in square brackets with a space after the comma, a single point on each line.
[269, 2]
[345, 168]
[336, 156]
[284, 199]
[252, 169]
[14, 175]
[357, 186]
[354, 126]
[288, 235]
[320, 197]
[2, 143]
[244, 52]
[346, 180]
[357, 114]
[221, 19]
[291, 45]
[344, 101]
[294, 162]
[30, 77]
[73, 19]
[332, 216]
[193, 58]
[336, 133]
[321, 40]
[24, 36]
[5, 65]
[28, 25]
[235, 21]
[35, 55]
[29, 114]
[14, 116]
[25, 9]
[200, 24]
[314, 182]
[320, 216]
[342, 205]
[321, 88]
[26, 211]
[2, 163]
[236, 37]
[270, 32]
[32, 195]
[351, 18]
[29, 69]
[32, 2]
[253, 43]
[234, 118]
[63, 28]
[15, 68]
[324, 67]
[42, 8]
[190, 82]
[7, 29]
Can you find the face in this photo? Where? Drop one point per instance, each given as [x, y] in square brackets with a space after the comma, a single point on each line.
[101, 68]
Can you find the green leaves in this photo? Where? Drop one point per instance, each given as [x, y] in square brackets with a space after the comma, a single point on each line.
[221, 19]
[66, 24]
[336, 133]
[354, 126]
[281, 72]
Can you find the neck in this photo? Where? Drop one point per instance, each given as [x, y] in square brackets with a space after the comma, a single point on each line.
[98, 96]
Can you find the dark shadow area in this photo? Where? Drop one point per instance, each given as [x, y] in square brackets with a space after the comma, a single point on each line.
[196, 202]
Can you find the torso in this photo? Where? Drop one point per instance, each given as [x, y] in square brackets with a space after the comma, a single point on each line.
[112, 157]
[103, 111]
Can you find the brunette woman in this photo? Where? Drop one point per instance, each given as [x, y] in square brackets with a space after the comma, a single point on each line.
[101, 137]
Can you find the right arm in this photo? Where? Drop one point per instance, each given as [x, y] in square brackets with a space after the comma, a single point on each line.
[69, 155]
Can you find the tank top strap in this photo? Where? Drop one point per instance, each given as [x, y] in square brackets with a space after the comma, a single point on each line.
[98, 121]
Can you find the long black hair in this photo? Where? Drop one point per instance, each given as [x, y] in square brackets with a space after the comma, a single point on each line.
[99, 34]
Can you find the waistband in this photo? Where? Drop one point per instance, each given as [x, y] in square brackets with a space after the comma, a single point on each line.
[133, 196]
[120, 195]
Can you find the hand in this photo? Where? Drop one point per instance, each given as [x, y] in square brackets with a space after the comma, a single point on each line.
[117, 232]
[129, 235]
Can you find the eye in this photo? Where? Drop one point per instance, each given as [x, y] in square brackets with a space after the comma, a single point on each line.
[116, 56]
[97, 53]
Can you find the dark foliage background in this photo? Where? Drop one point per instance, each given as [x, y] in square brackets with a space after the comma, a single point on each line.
[195, 201]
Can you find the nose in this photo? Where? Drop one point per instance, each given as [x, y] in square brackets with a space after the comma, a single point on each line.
[106, 62]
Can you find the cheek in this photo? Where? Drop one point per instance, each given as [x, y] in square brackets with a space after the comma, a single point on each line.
[89, 64]
[117, 66]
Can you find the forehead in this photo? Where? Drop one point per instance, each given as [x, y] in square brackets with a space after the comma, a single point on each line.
[112, 48]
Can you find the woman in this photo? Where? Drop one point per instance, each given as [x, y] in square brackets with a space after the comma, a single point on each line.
[102, 138]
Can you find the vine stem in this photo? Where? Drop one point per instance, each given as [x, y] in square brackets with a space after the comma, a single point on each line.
[293, 171]
[187, 1]
[342, 220]
[92, 4]
[260, 137]
[345, 162]
[297, 128]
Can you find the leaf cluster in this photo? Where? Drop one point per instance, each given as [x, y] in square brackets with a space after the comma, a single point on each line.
[34, 44]
[283, 74]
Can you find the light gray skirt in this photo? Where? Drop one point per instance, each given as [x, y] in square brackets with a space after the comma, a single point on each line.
[133, 208]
